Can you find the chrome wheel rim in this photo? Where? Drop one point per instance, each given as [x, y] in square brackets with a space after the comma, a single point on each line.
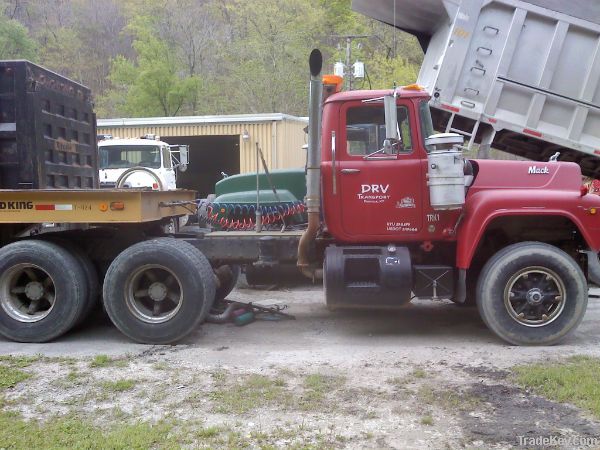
[27, 293]
[535, 296]
[153, 294]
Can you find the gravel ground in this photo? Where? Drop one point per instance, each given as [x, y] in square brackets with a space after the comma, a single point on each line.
[429, 375]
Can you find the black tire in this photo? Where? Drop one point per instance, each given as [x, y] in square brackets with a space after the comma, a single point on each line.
[90, 271]
[230, 275]
[532, 293]
[47, 271]
[138, 316]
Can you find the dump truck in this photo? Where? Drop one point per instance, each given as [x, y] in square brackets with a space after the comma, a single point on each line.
[520, 76]
[393, 211]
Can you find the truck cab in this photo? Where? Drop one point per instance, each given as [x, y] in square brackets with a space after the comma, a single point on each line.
[373, 195]
[140, 163]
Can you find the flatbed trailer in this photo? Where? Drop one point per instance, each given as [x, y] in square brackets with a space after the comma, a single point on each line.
[60, 245]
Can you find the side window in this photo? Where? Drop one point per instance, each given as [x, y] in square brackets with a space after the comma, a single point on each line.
[166, 154]
[365, 131]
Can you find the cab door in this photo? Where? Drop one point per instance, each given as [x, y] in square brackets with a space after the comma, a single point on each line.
[380, 189]
[168, 170]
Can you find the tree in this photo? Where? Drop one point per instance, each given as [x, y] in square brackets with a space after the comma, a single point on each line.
[267, 58]
[151, 85]
[15, 42]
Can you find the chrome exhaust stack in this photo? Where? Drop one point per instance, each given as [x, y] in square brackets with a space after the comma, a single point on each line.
[313, 166]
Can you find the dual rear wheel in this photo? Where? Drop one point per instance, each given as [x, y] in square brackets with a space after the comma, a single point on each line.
[45, 290]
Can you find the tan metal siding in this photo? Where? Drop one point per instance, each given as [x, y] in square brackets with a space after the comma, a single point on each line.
[290, 139]
[280, 141]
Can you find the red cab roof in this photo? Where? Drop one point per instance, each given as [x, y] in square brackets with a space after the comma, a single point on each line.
[365, 95]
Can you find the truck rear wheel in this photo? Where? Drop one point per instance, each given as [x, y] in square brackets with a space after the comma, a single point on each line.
[43, 291]
[158, 291]
[532, 293]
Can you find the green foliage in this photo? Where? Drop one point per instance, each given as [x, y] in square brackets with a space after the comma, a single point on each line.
[188, 57]
[267, 60]
[385, 72]
[15, 42]
[152, 85]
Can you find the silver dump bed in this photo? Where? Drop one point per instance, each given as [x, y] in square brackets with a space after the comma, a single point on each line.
[521, 76]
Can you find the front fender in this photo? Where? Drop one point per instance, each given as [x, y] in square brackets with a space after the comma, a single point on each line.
[483, 207]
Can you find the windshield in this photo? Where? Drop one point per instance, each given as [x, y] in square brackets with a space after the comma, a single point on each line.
[426, 123]
[126, 156]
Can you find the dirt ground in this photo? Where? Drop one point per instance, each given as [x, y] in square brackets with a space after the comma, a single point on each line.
[427, 376]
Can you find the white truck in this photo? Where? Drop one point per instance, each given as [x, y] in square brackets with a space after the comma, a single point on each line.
[147, 162]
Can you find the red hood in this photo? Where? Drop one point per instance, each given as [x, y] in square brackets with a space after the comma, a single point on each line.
[491, 174]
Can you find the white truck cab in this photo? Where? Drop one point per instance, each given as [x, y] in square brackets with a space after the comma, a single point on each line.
[147, 162]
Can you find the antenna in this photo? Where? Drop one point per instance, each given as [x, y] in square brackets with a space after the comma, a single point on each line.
[395, 31]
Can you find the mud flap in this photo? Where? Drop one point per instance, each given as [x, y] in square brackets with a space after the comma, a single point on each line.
[593, 267]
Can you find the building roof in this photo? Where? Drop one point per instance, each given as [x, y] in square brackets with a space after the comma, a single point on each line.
[193, 120]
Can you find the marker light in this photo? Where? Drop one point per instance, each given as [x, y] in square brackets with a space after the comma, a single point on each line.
[413, 87]
[592, 211]
[334, 80]
[117, 206]
[155, 186]
[103, 207]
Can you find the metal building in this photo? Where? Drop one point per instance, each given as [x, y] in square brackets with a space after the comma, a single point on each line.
[221, 143]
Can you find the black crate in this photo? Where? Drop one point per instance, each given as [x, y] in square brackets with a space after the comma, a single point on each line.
[47, 130]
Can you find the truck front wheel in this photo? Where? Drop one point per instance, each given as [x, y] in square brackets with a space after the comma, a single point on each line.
[532, 293]
[158, 291]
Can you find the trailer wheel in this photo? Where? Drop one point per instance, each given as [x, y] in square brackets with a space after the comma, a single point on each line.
[43, 291]
[91, 274]
[228, 276]
[532, 293]
[158, 291]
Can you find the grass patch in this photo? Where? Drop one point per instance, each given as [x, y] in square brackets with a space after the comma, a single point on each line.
[107, 361]
[447, 399]
[101, 361]
[10, 377]
[18, 361]
[10, 370]
[70, 432]
[427, 420]
[316, 388]
[160, 366]
[418, 373]
[254, 391]
[574, 381]
[118, 385]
